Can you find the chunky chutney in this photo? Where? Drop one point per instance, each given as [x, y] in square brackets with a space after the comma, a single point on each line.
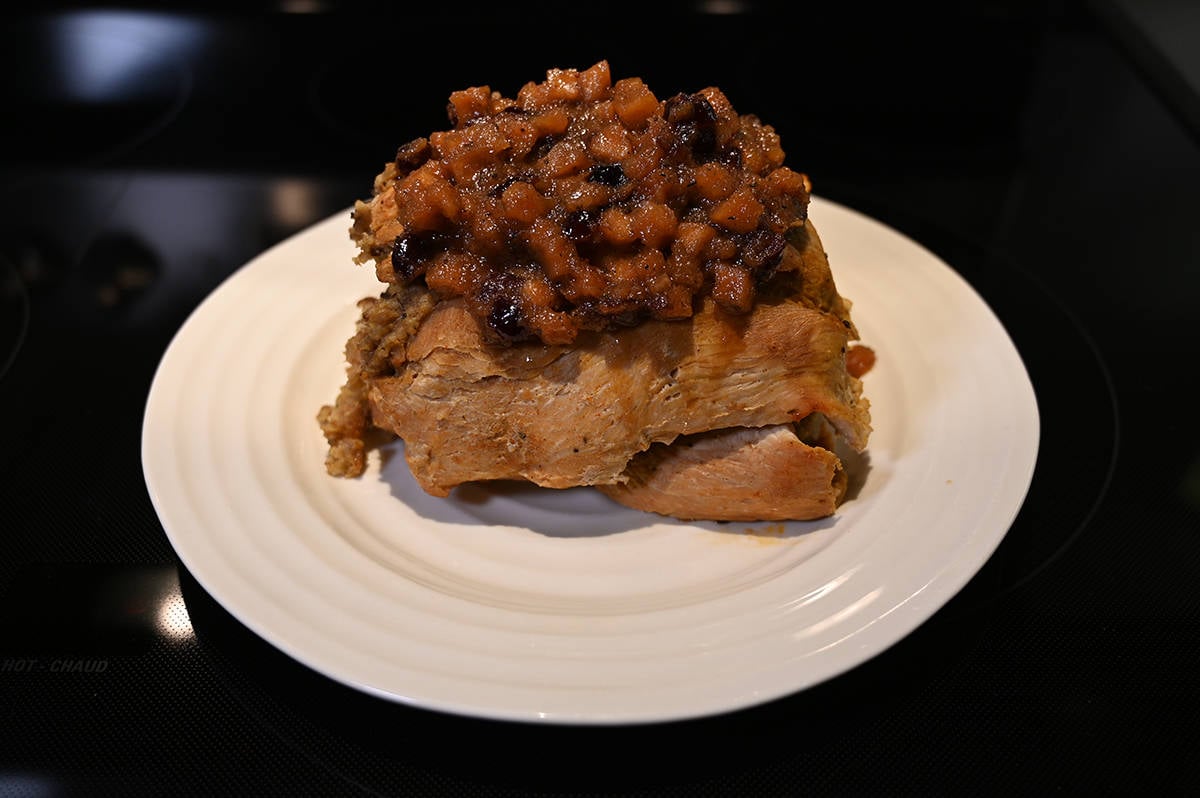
[584, 204]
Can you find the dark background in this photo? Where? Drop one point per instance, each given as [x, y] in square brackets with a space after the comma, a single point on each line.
[1048, 151]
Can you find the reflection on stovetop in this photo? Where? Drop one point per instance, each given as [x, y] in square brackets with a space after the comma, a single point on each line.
[147, 247]
[67, 618]
[111, 80]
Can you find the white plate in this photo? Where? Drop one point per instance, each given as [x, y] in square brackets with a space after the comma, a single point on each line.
[560, 606]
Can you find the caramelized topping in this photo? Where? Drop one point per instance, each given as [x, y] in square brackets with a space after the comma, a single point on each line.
[584, 204]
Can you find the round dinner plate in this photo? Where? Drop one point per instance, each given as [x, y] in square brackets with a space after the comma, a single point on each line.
[519, 603]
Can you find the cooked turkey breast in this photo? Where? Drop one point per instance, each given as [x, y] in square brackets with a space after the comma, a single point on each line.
[469, 409]
[763, 474]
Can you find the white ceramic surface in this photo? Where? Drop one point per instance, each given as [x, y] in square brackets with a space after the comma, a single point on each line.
[560, 606]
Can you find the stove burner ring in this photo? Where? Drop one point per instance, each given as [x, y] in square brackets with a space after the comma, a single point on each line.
[14, 315]
[1031, 572]
[1080, 430]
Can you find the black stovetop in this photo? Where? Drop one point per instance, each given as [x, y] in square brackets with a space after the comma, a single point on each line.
[147, 155]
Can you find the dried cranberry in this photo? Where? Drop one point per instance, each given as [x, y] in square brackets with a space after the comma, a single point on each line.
[609, 174]
[689, 107]
[762, 251]
[411, 253]
[518, 177]
[506, 319]
[543, 147]
[578, 225]
[412, 154]
[694, 124]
